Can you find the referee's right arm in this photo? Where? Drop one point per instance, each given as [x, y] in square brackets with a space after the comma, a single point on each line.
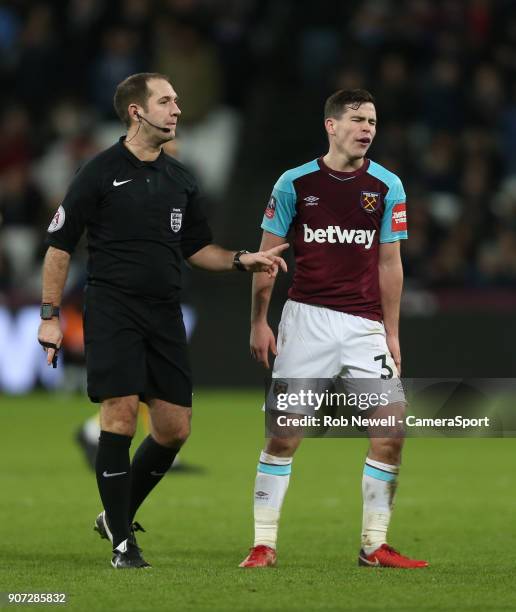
[55, 271]
[64, 232]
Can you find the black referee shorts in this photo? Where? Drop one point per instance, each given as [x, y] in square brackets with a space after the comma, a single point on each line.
[135, 347]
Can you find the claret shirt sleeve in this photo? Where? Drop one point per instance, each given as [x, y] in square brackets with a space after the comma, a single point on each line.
[196, 232]
[78, 207]
[394, 220]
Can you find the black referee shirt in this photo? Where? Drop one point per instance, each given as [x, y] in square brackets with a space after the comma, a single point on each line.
[141, 219]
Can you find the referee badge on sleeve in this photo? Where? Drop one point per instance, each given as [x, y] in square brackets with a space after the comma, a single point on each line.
[176, 219]
[57, 220]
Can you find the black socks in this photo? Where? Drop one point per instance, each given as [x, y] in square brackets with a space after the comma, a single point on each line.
[150, 463]
[114, 481]
[123, 486]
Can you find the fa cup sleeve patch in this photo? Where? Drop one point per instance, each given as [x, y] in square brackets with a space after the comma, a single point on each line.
[271, 208]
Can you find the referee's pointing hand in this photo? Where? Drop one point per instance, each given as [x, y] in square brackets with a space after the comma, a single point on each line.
[265, 261]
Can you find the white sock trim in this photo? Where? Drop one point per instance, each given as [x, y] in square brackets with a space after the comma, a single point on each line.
[272, 459]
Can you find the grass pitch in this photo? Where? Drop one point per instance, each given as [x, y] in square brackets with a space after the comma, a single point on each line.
[455, 507]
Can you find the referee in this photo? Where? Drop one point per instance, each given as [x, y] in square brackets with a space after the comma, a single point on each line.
[142, 213]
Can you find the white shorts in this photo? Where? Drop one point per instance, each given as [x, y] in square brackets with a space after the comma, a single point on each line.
[329, 347]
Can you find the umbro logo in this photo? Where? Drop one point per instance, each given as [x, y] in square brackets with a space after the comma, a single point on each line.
[311, 200]
[118, 183]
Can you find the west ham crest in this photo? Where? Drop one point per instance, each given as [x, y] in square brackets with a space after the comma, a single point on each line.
[369, 201]
[176, 219]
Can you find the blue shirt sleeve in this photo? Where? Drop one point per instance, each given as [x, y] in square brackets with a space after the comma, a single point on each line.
[281, 208]
[394, 220]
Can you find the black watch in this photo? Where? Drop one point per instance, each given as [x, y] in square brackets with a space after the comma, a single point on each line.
[48, 311]
[236, 260]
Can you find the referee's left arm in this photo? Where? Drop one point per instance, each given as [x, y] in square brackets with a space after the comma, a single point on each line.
[197, 247]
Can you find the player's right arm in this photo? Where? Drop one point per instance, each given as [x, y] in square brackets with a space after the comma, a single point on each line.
[262, 338]
[55, 272]
[277, 219]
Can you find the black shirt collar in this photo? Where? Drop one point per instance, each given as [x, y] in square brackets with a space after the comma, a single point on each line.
[158, 163]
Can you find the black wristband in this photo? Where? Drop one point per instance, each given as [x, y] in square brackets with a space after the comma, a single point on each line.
[236, 260]
[48, 311]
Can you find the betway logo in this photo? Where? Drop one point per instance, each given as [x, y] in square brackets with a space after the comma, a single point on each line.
[334, 233]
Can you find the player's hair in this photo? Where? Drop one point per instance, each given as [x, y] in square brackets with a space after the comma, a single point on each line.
[336, 105]
[134, 90]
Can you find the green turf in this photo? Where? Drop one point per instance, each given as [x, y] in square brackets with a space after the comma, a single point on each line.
[456, 506]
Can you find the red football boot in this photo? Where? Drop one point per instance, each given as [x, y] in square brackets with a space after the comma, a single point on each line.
[260, 556]
[386, 556]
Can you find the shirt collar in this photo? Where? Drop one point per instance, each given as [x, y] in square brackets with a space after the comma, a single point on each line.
[343, 175]
[158, 163]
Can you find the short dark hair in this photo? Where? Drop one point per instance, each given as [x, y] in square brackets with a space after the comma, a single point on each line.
[335, 105]
[134, 90]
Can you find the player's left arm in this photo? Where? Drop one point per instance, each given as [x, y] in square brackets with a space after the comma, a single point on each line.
[393, 229]
[390, 272]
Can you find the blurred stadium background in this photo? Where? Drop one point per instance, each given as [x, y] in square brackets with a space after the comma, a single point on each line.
[252, 76]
